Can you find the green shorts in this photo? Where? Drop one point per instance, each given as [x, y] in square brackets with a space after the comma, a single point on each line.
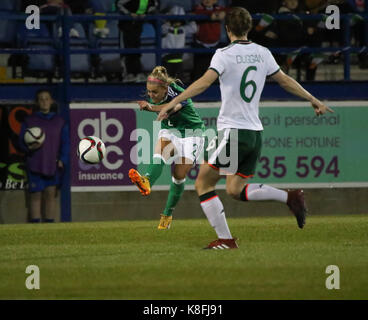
[234, 151]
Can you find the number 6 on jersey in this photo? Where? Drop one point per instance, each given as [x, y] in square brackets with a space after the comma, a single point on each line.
[244, 84]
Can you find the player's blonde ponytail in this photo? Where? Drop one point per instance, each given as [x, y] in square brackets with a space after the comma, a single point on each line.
[160, 76]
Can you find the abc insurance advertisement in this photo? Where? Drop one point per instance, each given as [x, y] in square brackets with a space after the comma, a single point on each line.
[114, 125]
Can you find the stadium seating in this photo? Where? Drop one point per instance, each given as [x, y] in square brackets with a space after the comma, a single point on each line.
[165, 5]
[101, 5]
[10, 5]
[148, 60]
[26, 36]
[80, 64]
[148, 39]
[8, 29]
[41, 65]
[108, 64]
[37, 65]
[224, 3]
[148, 35]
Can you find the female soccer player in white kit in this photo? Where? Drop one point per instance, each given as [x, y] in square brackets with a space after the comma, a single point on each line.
[242, 68]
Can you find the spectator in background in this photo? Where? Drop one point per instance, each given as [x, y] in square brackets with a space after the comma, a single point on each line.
[284, 27]
[292, 33]
[174, 35]
[257, 6]
[313, 37]
[58, 7]
[264, 31]
[132, 31]
[44, 162]
[55, 7]
[208, 34]
[26, 3]
[78, 6]
[99, 9]
[358, 27]
[286, 38]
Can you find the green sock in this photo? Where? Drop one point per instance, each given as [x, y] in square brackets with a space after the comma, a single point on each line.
[155, 169]
[176, 190]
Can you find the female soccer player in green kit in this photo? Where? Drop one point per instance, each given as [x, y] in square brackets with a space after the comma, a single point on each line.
[180, 138]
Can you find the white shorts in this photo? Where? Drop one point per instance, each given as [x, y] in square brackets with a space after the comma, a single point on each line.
[189, 148]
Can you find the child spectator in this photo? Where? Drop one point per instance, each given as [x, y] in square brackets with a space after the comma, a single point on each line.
[132, 31]
[174, 36]
[208, 34]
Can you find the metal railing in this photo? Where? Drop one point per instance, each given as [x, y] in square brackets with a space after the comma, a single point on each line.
[157, 20]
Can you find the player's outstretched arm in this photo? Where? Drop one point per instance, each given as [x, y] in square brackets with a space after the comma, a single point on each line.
[146, 106]
[194, 89]
[292, 86]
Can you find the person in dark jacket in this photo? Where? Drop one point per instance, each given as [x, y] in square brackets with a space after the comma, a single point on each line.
[208, 34]
[132, 31]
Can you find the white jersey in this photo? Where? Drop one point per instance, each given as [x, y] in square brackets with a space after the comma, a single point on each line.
[242, 67]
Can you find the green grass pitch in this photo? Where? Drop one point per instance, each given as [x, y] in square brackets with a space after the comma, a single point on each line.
[133, 260]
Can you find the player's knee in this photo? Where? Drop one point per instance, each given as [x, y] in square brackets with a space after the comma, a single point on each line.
[179, 175]
[198, 185]
[232, 192]
[201, 186]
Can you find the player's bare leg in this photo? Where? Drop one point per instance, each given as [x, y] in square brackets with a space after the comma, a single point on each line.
[165, 148]
[207, 179]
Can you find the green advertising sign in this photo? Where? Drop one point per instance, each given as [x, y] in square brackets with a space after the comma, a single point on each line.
[298, 147]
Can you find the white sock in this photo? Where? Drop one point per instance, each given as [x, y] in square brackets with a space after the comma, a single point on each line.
[214, 211]
[262, 192]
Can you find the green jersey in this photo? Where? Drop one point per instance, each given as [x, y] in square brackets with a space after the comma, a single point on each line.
[187, 120]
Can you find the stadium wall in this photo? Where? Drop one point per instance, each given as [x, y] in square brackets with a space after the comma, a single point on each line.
[110, 206]
[325, 194]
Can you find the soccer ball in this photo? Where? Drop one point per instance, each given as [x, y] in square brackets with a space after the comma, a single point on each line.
[91, 150]
[33, 135]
